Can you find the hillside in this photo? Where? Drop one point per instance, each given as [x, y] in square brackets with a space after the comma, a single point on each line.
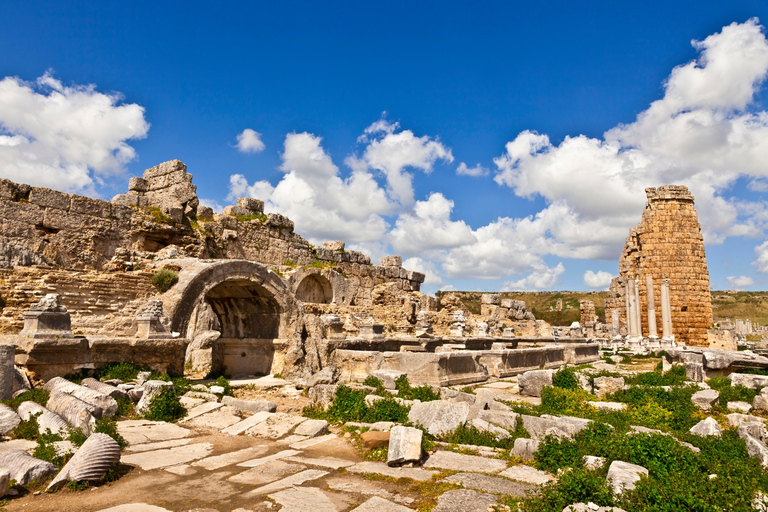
[725, 304]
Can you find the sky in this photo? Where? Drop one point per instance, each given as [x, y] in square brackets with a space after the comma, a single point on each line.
[495, 146]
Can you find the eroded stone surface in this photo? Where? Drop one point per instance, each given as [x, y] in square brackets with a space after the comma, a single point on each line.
[490, 484]
[377, 504]
[380, 468]
[439, 416]
[302, 499]
[168, 457]
[464, 500]
[623, 475]
[461, 462]
[527, 474]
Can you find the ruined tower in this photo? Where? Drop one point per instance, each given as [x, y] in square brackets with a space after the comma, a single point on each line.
[666, 252]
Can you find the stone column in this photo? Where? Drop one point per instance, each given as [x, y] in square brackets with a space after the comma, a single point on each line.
[666, 311]
[651, 302]
[7, 355]
[638, 313]
[632, 320]
[615, 327]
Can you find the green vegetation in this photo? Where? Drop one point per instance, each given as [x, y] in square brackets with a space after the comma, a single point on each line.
[349, 405]
[289, 263]
[422, 393]
[109, 426]
[164, 279]
[223, 382]
[165, 406]
[158, 215]
[251, 216]
[122, 371]
[26, 429]
[565, 379]
[38, 395]
[729, 393]
[322, 264]
[674, 377]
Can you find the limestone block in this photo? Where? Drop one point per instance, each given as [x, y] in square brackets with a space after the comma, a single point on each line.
[105, 405]
[707, 427]
[323, 394]
[705, 399]
[525, 448]
[484, 426]
[249, 405]
[324, 376]
[204, 213]
[152, 388]
[48, 198]
[755, 429]
[464, 500]
[24, 468]
[592, 462]
[761, 401]
[457, 396]
[90, 462]
[527, 474]
[7, 371]
[388, 377]
[742, 407]
[136, 184]
[404, 445]
[748, 381]
[8, 419]
[532, 383]
[103, 388]
[253, 206]
[623, 475]
[235, 211]
[504, 419]
[391, 261]
[756, 448]
[735, 419]
[333, 245]
[605, 386]
[439, 416]
[77, 413]
[565, 426]
[374, 439]
[491, 298]
[20, 379]
[311, 428]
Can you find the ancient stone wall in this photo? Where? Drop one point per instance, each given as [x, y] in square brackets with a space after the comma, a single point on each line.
[667, 244]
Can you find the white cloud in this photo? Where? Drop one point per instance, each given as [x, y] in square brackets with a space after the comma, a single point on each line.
[323, 205]
[599, 280]
[477, 170]
[249, 141]
[212, 203]
[394, 152]
[700, 134]
[739, 282]
[544, 278]
[429, 227]
[65, 137]
[427, 267]
[762, 257]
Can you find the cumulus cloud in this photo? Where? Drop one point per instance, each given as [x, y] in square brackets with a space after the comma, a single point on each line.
[429, 227]
[427, 267]
[740, 282]
[249, 141]
[544, 278]
[700, 134]
[65, 137]
[761, 262]
[599, 280]
[476, 171]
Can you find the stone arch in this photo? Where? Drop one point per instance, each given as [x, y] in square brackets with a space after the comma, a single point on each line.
[326, 286]
[316, 289]
[257, 313]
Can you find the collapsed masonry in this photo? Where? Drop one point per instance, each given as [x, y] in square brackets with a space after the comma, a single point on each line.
[663, 283]
[252, 296]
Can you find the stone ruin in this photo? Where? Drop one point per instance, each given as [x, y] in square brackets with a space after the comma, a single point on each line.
[662, 295]
[251, 296]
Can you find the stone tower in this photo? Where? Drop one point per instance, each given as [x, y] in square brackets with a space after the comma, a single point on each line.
[665, 252]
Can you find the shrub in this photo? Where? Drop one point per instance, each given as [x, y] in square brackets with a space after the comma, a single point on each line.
[406, 392]
[76, 436]
[674, 377]
[349, 405]
[165, 406]
[469, 434]
[576, 486]
[38, 395]
[729, 393]
[125, 406]
[164, 279]
[26, 429]
[124, 371]
[374, 382]
[220, 381]
[45, 450]
[569, 402]
[565, 379]
[109, 426]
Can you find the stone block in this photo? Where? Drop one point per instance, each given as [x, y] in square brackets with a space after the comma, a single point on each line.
[136, 184]
[623, 475]
[48, 198]
[235, 211]
[605, 386]
[527, 474]
[737, 406]
[756, 448]
[490, 298]
[464, 500]
[204, 213]
[391, 261]
[756, 430]
[705, 399]
[525, 448]
[707, 427]
[460, 462]
[439, 416]
[374, 439]
[404, 445]
[592, 462]
[152, 388]
[311, 428]
[249, 405]
[334, 245]
[533, 382]
[388, 377]
[253, 206]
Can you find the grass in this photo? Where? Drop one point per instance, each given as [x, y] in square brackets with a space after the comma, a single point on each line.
[164, 279]
[249, 217]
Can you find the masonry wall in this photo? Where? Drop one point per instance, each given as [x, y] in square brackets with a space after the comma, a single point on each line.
[668, 244]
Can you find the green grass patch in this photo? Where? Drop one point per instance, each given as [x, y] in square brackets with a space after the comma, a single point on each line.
[165, 406]
[38, 395]
[164, 279]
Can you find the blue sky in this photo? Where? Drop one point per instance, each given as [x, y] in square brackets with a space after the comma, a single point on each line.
[436, 85]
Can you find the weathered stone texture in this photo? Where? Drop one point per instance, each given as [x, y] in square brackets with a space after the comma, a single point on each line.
[668, 244]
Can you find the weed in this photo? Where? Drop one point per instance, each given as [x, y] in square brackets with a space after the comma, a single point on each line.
[223, 382]
[109, 426]
[76, 436]
[565, 379]
[165, 406]
[164, 279]
[252, 216]
[38, 395]
[26, 429]
[406, 392]
[125, 407]
[122, 371]
[374, 382]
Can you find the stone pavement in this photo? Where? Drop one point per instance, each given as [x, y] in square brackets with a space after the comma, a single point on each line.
[217, 461]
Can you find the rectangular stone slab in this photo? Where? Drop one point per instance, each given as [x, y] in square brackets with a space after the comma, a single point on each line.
[460, 462]
[258, 462]
[297, 479]
[168, 457]
[227, 459]
[379, 468]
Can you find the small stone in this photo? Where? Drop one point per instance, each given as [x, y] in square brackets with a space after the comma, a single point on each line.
[592, 462]
[707, 427]
[525, 448]
[705, 399]
[404, 446]
[742, 407]
[623, 475]
[312, 428]
[374, 439]
[605, 386]
[218, 390]
[533, 382]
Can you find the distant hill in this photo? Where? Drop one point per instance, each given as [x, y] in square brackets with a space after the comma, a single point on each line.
[725, 304]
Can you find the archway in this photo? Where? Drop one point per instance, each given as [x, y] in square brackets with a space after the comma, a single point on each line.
[257, 314]
[315, 289]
